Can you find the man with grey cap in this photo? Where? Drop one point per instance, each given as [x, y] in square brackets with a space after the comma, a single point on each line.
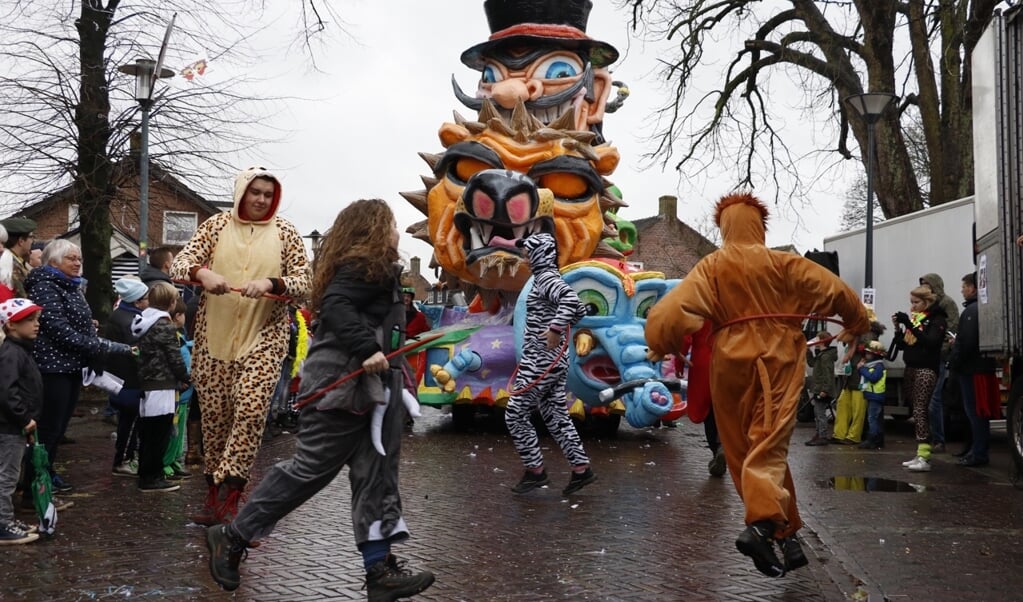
[20, 234]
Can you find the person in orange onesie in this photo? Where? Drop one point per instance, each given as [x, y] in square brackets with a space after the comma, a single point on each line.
[750, 292]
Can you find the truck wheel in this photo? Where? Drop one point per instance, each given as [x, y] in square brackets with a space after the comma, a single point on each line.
[804, 411]
[1014, 424]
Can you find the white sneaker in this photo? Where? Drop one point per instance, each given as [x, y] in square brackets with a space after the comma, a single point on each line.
[921, 465]
[909, 463]
[126, 469]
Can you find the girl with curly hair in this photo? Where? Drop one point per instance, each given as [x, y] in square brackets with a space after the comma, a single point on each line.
[357, 296]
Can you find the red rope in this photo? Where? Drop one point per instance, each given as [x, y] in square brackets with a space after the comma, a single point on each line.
[272, 296]
[561, 353]
[794, 316]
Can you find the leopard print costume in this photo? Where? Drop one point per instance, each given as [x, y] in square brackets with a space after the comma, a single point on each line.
[234, 396]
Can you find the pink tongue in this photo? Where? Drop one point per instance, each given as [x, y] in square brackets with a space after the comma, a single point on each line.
[500, 241]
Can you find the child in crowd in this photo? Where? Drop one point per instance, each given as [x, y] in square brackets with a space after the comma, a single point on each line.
[162, 372]
[823, 387]
[134, 299]
[872, 383]
[173, 458]
[21, 400]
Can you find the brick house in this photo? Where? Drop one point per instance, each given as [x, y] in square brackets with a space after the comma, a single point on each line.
[666, 244]
[175, 211]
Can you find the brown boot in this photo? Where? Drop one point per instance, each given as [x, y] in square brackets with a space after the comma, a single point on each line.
[192, 455]
[231, 493]
[210, 513]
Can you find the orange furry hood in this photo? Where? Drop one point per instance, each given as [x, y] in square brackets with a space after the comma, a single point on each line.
[742, 219]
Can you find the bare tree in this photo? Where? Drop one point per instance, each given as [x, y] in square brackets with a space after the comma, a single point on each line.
[825, 50]
[69, 114]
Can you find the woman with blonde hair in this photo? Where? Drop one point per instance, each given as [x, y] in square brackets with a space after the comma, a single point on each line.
[919, 334]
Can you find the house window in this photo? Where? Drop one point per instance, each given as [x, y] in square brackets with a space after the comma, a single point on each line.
[179, 226]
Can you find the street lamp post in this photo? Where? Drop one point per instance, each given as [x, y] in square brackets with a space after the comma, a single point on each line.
[145, 74]
[314, 238]
[870, 107]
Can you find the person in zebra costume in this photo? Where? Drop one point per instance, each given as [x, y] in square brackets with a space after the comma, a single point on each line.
[551, 308]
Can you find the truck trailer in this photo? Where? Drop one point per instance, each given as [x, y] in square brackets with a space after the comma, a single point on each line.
[997, 63]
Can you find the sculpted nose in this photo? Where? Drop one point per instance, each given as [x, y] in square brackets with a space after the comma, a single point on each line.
[508, 92]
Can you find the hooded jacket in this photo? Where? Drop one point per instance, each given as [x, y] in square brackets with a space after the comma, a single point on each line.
[551, 302]
[928, 337]
[118, 329]
[229, 326]
[823, 375]
[162, 365]
[947, 305]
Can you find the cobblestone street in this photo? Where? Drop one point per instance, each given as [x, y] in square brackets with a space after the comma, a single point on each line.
[653, 527]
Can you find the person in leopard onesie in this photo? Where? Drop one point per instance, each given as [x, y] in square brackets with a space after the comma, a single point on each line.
[241, 336]
[551, 308]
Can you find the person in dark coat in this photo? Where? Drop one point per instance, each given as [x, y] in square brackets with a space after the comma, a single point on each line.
[21, 395]
[67, 341]
[968, 365]
[134, 298]
[357, 296]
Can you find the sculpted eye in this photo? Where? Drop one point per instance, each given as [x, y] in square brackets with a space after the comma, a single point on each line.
[492, 74]
[595, 303]
[644, 302]
[558, 67]
[566, 186]
[465, 168]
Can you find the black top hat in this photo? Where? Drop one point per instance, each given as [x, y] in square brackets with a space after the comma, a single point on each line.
[524, 22]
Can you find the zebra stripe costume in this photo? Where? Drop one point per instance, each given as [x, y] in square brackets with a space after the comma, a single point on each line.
[550, 305]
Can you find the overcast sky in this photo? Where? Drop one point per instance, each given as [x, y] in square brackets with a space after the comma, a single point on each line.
[385, 91]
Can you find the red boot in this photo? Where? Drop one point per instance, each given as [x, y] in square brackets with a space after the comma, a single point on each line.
[231, 491]
[210, 513]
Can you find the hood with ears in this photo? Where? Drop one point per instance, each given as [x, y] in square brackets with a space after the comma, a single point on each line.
[742, 219]
[241, 184]
[542, 250]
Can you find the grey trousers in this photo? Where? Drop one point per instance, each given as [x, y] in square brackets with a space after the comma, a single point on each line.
[329, 440]
[12, 448]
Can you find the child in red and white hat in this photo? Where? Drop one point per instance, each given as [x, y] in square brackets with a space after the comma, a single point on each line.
[21, 400]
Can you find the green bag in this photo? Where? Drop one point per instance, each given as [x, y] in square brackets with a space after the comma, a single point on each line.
[42, 490]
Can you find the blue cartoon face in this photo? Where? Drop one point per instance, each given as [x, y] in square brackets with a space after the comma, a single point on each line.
[614, 324]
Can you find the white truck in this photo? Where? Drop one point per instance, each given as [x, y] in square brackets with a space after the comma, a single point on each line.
[936, 240]
[998, 164]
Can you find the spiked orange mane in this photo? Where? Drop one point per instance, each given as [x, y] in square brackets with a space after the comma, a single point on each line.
[740, 198]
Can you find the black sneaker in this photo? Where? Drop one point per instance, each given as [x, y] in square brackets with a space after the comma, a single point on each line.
[60, 485]
[12, 535]
[717, 466]
[157, 485]
[531, 481]
[792, 553]
[757, 542]
[578, 481]
[226, 553]
[390, 580]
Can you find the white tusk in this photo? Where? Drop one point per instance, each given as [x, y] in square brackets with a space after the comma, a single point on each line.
[376, 426]
[411, 403]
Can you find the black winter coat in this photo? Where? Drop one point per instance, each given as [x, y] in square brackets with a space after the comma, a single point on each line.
[925, 352]
[966, 357]
[67, 338]
[21, 386]
[118, 329]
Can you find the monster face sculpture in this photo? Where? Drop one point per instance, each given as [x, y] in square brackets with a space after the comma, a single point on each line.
[502, 179]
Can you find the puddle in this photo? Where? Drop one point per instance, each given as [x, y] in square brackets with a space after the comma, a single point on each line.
[871, 484]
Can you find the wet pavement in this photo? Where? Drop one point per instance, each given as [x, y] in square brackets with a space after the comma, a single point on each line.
[654, 526]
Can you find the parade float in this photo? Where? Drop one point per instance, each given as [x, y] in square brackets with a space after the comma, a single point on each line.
[533, 159]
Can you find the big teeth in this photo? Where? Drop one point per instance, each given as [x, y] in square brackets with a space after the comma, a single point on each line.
[488, 231]
[477, 242]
